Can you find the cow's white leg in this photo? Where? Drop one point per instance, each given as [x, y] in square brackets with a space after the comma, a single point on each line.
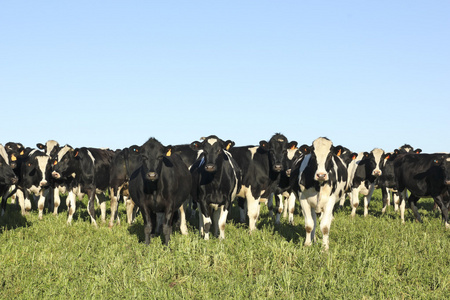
[114, 205]
[71, 206]
[131, 211]
[222, 222]
[21, 200]
[41, 203]
[325, 223]
[183, 226]
[403, 205]
[310, 220]
[368, 198]
[291, 208]
[253, 208]
[355, 201]
[206, 226]
[56, 200]
[285, 207]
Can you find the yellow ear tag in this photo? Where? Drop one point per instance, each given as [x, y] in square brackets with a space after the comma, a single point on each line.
[293, 147]
[228, 146]
[13, 157]
[55, 162]
[169, 152]
[339, 152]
[387, 157]
[22, 152]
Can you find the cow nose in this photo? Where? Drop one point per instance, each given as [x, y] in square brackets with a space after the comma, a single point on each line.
[14, 180]
[277, 167]
[56, 175]
[43, 183]
[376, 173]
[321, 176]
[447, 182]
[152, 176]
[13, 165]
[210, 167]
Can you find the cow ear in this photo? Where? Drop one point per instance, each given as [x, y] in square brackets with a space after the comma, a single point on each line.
[396, 151]
[168, 150]
[228, 145]
[292, 145]
[387, 156]
[417, 151]
[195, 145]
[135, 148]
[338, 150]
[40, 146]
[305, 149]
[264, 145]
[366, 154]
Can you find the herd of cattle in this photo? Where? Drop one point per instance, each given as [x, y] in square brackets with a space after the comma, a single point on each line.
[160, 180]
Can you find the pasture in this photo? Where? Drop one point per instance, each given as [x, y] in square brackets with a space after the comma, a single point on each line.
[369, 258]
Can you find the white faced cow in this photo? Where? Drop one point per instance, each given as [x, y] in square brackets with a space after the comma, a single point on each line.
[322, 180]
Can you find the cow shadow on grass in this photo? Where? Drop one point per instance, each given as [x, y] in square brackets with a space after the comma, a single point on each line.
[13, 219]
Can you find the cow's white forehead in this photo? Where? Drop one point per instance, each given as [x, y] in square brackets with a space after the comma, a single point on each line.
[212, 141]
[63, 152]
[322, 144]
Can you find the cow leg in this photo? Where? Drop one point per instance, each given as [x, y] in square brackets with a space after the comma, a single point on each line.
[354, 201]
[131, 209]
[204, 219]
[291, 207]
[183, 226]
[279, 207]
[71, 203]
[253, 208]
[101, 201]
[310, 219]
[270, 205]
[222, 221]
[385, 199]
[242, 203]
[41, 203]
[21, 201]
[367, 199]
[56, 200]
[4, 194]
[215, 219]
[114, 205]
[440, 202]
[285, 208]
[412, 200]
[90, 205]
[325, 223]
[149, 224]
[167, 226]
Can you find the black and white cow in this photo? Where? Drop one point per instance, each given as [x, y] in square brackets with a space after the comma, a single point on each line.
[424, 175]
[34, 180]
[321, 181]
[7, 177]
[216, 181]
[261, 166]
[123, 164]
[161, 185]
[51, 148]
[89, 169]
[362, 172]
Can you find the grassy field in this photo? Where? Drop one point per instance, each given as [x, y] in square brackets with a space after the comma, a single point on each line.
[369, 258]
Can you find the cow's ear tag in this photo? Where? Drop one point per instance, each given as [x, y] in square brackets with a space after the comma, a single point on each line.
[55, 162]
[436, 161]
[293, 147]
[169, 152]
[387, 157]
[13, 157]
[22, 152]
[353, 157]
[228, 146]
[339, 152]
[76, 154]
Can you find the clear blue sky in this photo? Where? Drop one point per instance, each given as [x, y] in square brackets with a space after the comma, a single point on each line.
[112, 74]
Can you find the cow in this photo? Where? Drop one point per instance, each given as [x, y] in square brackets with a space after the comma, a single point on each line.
[261, 166]
[320, 181]
[216, 181]
[362, 173]
[51, 148]
[7, 177]
[160, 185]
[34, 179]
[123, 164]
[424, 175]
[88, 171]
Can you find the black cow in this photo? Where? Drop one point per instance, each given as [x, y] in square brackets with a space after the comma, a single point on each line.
[362, 173]
[160, 185]
[261, 166]
[320, 180]
[7, 177]
[123, 164]
[216, 181]
[90, 170]
[424, 175]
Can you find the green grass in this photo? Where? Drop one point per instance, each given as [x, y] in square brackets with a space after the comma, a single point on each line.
[369, 258]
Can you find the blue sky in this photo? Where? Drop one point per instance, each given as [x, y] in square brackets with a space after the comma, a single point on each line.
[112, 74]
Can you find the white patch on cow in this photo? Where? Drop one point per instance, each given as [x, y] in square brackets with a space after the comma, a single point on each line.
[4, 154]
[303, 166]
[42, 164]
[50, 145]
[91, 156]
[291, 153]
[322, 148]
[212, 141]
[233, 195]
[353, 165]
[448, 159]
[253, 150]
[63, 152]
[377, 153]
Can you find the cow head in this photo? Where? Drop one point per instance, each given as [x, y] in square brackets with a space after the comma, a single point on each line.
[37, 166]
[408, 149]
[345, 154]
[154, 155]
[443, 162]
[212, 150]
[276, 148]
[291, 156]
[7, 175]
[50, 148]
[375, 162]
[64, 164]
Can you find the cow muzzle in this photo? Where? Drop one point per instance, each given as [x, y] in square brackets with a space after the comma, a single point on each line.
[321, 176]
[447, 182]
[56, 175]
[210, 168]
[152, 176]
[277, 167]
[288, 172]
[13, 165]
[376, 173]
[43, 183]
[14, 180]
